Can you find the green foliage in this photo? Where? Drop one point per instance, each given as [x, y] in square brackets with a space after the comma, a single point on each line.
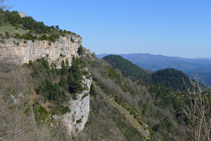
[62, 82]
[27, 22]
[64, 69]
[92, 90]
[7, 35]
[171, 78]
[37, 30]
[51, 92]
[80, 50]
[113, 74]
[74, 77]
[79, 121]
[165, 124]
[151, 103]
[41, 114]
[127, 68]
[57, 85]
[166, 97]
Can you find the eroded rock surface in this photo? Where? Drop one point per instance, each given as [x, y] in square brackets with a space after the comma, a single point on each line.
[76, 119]
[20, 51]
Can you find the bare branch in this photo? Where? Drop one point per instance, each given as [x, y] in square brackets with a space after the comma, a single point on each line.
[3, 4]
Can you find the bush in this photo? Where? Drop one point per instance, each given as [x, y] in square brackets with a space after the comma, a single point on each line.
[41, 114]
[80, 50]
[92, 90]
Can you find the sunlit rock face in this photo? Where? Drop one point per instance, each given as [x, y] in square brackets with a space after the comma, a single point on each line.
[76, 119]
[20, 51]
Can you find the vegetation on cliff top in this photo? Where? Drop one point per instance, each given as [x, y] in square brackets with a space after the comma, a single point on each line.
[12, 25]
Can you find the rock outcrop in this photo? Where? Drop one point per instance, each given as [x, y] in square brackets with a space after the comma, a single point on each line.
[20, 51]
[76, 119]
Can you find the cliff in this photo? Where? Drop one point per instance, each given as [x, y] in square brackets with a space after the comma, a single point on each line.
[21, 51]
[76, 119]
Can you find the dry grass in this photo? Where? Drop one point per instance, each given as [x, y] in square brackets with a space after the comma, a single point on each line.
[11, 30]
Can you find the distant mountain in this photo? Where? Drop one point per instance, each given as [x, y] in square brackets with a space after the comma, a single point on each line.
[127, 68]
[170, 78]
[191, 67]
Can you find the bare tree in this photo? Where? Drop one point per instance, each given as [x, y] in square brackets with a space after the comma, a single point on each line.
[198, 112]
[13, 121]
[3, 4]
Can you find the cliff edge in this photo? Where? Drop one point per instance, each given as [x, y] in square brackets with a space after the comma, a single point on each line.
[20, 51]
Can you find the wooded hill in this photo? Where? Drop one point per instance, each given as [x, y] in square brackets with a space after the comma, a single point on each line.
[123, 105]
[170, 78]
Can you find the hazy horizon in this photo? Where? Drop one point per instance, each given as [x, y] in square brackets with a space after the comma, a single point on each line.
[149, 54]
[171, 28]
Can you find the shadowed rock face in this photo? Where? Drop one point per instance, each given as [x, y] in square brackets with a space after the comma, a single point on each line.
[22, 51]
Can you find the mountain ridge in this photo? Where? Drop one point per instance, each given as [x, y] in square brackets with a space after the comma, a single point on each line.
[84, 98]
[191, 67]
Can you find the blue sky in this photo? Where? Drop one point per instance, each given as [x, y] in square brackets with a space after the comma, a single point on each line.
[168, 27]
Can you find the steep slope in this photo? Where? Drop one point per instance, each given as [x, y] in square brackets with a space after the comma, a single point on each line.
[44, 84]
[120, 109]
[83, 98]
[127, 68]
[151, 62]
[170, 78]
[44, 99]
[126, 110]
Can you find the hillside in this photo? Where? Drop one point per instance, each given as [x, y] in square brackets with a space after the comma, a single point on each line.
[120, 108]
[151, 62]
[171, 78]
[155, 107]
[54, 91]
[127, 68]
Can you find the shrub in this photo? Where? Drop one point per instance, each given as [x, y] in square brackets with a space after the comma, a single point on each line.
[41, 114]
[80, 50]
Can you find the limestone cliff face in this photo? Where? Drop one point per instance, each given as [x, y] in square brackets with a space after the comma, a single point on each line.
[76, 119]
[21, 51]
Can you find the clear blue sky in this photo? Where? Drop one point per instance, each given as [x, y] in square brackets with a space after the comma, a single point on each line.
[168, 27]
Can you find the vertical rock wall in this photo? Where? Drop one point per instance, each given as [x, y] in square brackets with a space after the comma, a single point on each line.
[76, 119]
[22, 51]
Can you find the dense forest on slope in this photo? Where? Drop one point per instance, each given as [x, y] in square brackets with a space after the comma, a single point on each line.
[127, 68]
[171, 78]
[191, 67]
